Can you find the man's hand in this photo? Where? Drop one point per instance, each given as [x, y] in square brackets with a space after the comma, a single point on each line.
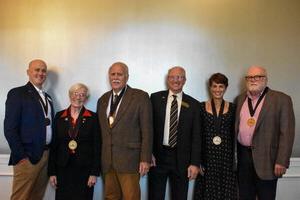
[279, 170]
[144, 168]
[53, 181]
[153, 161]
[192, 172]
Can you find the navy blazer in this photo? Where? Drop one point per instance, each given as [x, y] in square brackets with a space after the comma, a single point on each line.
[188, 135]
[24, 124]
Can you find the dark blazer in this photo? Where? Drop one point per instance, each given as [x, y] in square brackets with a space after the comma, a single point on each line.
[129, 141]
[274, 133]
[188, 135]
[88, 139]
[24, 124]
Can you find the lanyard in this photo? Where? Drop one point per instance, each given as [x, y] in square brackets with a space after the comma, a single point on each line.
[251, 109]
[44, 105]
[74, 128]
[217, 118]
[114, 104]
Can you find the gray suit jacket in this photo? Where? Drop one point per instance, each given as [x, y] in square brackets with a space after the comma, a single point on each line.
[129, 141]
[274, 133]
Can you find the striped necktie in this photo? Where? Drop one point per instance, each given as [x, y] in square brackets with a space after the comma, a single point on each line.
[173, 122]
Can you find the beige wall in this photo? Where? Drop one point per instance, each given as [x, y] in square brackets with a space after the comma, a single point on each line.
[80, 39]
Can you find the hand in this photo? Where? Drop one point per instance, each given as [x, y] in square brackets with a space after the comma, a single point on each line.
[201, 171]
[92, 181]
[192, 172]
[23, 160]
[153, 161]
[144, 168]
[279, 170]
[53, 181]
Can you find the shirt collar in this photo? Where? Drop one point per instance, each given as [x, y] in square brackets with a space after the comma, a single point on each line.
[41, 91]
[252, 97]
[179, 95]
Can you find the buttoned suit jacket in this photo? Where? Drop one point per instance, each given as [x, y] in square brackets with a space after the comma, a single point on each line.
[188, 134]
[129, 140]
[24, 124]
[273, 134]
[87, 153]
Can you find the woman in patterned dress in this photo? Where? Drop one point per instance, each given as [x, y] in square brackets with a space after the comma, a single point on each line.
[217, 178]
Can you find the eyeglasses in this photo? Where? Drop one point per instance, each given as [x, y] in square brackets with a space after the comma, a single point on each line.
[176, 78]
[254, 78]
[81, 95]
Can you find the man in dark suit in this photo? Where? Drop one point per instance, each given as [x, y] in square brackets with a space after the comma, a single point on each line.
[265, 129]
[125, 118]
[27, 128]
[176, 143]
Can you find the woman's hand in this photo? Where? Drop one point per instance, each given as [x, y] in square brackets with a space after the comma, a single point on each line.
[53, 181]
[92, 181]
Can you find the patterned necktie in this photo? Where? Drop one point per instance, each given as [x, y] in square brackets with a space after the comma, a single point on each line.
[173, 122]
[115, 98]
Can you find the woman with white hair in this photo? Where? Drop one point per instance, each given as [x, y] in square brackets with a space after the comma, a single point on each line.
[74, 160]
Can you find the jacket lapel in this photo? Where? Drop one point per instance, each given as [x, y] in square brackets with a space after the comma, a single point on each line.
[183, 109]
[103, 115]
[163, 102]
[35, 95]
[264, 109]
[125, 102]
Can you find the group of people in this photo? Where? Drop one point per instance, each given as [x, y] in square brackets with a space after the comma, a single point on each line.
[233, 150]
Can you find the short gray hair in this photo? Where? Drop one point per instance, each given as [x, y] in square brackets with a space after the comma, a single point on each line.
[77, 86]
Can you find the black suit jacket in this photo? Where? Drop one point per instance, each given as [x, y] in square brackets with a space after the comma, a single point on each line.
[24, 124]
[88, 139]
[188, 135]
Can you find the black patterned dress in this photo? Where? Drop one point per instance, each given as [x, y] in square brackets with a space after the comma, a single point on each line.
[219, 180]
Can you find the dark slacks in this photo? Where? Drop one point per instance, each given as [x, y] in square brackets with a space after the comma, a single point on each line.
[158, 176]
[250, 185]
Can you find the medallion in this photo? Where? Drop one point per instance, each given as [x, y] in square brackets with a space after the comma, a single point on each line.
[72, 145]
[251, 121]
[111, 120]
[217, 140]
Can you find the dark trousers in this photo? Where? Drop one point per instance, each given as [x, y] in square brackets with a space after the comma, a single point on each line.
[159, 175]
[250, 185]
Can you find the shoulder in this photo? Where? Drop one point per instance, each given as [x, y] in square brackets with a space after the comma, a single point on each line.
[159, 94]
[190, 99]
[89, 113]
[138, 92]
[17, 90]
[278, 94]
[104, 96]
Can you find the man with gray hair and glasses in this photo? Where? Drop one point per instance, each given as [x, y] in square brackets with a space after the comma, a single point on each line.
[265, 130]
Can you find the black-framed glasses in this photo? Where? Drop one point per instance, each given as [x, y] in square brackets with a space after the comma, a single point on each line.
[254, 78]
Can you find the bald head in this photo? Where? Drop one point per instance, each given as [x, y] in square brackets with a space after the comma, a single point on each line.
[176, 79]
[37, 72]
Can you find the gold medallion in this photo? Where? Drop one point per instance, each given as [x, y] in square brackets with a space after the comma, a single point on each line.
[251, 121]
[72, 145]
[217, 140]
[111, 120]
